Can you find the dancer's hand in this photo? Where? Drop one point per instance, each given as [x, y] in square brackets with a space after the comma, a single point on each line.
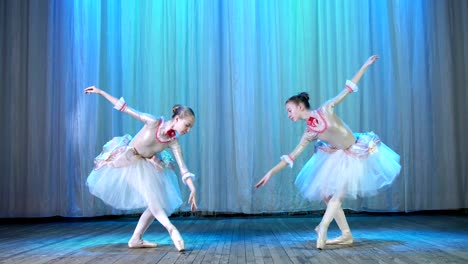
[193, 200]
[264, 180]
[371, 60]
[92, 89]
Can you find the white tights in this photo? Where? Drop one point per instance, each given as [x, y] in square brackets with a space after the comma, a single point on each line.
[339, 217]
[147, 218]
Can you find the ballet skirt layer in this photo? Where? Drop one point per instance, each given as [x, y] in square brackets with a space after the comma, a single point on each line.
[125, 180]
[362, 170]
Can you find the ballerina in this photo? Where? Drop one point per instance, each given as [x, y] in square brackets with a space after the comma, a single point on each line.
[345, 164]
[128, 174]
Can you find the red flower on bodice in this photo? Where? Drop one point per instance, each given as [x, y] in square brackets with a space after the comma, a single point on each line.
[312, 121]
[170, 133]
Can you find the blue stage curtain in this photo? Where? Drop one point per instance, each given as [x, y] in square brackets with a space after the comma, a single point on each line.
[235, 63]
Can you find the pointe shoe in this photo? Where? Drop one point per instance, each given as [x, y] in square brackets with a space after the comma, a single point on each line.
[177, 239]
[321, 237]
[141, 244]
[345, 239]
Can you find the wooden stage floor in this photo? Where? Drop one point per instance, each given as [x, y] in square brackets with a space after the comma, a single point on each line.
[379, 238]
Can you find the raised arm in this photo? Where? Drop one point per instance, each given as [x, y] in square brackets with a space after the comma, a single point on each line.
[120, 105]
[351, 85]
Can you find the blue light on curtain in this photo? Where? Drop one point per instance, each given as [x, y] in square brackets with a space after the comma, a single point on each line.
[235, 63]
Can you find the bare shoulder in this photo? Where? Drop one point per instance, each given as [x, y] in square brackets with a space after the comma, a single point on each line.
[326, 107]
[151, 121]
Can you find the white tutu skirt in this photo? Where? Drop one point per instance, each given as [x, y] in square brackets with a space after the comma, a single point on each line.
[359, 171]
[125, 180]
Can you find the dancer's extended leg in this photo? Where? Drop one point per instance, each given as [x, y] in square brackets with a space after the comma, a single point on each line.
[162, 218]
[346, 237]
[333, 205]
[144, 222]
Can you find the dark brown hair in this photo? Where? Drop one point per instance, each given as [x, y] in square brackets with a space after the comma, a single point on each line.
[182, 111]
[300, 98]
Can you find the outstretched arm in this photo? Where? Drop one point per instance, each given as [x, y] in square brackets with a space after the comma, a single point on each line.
[270, 173]
[121, 105]
[187, 176]
[287, 159]
[95, 90]
[351, 86]
[364, 67]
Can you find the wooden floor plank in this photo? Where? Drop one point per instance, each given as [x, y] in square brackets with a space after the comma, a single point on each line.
[379, 238]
